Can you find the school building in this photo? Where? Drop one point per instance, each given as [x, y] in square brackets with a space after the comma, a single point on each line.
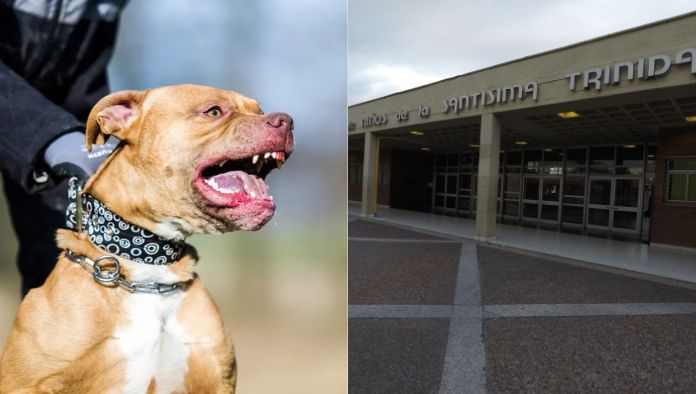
[596, 138]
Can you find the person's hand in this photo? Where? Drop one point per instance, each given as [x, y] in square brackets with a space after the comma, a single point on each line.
[67, 155]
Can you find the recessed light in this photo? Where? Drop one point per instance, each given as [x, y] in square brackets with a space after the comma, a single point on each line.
[629, 146]
[416, 132]
[425, 149]
[474, 145]
[691, 118]
[548, 150]
[568, 115]
[651, 156]
[520, 142]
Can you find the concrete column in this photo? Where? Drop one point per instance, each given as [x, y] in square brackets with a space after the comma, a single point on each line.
[486, 197]
[368, 206]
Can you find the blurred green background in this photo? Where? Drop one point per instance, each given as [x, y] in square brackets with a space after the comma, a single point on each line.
[282, 290]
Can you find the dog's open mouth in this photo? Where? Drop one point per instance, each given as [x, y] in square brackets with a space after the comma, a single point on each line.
[229, 183]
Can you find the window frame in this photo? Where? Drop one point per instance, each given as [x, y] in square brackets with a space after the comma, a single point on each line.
[668, 180]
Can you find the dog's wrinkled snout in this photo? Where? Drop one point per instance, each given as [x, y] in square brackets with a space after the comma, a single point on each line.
[281, 124]
[279, 121]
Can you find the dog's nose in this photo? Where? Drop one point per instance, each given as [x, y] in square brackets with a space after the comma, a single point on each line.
[278, 120]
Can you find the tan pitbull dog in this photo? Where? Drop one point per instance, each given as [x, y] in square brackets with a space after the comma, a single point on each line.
[192, 160]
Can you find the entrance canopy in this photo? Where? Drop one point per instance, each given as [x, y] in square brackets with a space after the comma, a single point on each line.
[619, 119]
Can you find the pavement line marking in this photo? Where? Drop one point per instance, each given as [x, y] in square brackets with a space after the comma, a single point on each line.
[434, 241]
[400, 311]
[465, 359]
[385, 311]
[634, 309]
[468, 289]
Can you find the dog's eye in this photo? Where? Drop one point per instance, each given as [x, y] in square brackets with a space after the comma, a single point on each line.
[213, 112]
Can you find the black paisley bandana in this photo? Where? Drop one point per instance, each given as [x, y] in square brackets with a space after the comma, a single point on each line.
[112, 233]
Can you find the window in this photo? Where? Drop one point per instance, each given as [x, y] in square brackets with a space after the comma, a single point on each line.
[553, 162]
[532, 161]
[629, 159]
[355, 173]
[681, 179]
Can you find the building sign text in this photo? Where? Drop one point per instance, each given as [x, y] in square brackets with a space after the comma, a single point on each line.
[643, 68]
[491, 96]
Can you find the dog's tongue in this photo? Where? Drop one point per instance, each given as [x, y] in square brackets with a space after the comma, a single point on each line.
[238, 182]
[229, 181]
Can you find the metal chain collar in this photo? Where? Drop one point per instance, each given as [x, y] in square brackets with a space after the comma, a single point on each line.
[108, 276]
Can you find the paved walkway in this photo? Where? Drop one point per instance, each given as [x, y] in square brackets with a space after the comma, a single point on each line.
[433, 314]
[665, 262]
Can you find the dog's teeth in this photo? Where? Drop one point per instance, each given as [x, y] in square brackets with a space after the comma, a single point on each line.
[222, 163]
[271, 197]
[274, 155]
[266, 155]
[279, 164]
[255, 159]
[212, 183]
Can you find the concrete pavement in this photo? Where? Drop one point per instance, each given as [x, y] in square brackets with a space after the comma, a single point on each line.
[436, 314]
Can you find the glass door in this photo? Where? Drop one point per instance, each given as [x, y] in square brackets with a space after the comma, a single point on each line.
[550, 196]
[465, 193]
[512, 185]
[531, 185]
[551, 185]
[627, 197]
[530, 199]
[573, 211]
[445, 196]
[599, 204]
[446, 183]
[613, 204]
[628, 188]
[466, 190]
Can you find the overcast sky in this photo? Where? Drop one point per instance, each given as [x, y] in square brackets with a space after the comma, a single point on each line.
[395, 45]
[288, 54]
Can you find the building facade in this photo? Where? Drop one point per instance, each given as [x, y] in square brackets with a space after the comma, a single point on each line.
[595, 138]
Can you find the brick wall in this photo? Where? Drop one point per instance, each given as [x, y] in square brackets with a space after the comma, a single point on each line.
[673, 223]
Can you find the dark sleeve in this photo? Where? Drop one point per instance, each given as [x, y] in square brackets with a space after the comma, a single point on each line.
[28, 122]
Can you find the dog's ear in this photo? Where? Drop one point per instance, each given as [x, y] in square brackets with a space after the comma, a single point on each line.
[113, 114]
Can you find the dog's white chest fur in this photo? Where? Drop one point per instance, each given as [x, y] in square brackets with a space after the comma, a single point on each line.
[153, 343]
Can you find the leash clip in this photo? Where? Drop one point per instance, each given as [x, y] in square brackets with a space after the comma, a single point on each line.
[103, 275]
